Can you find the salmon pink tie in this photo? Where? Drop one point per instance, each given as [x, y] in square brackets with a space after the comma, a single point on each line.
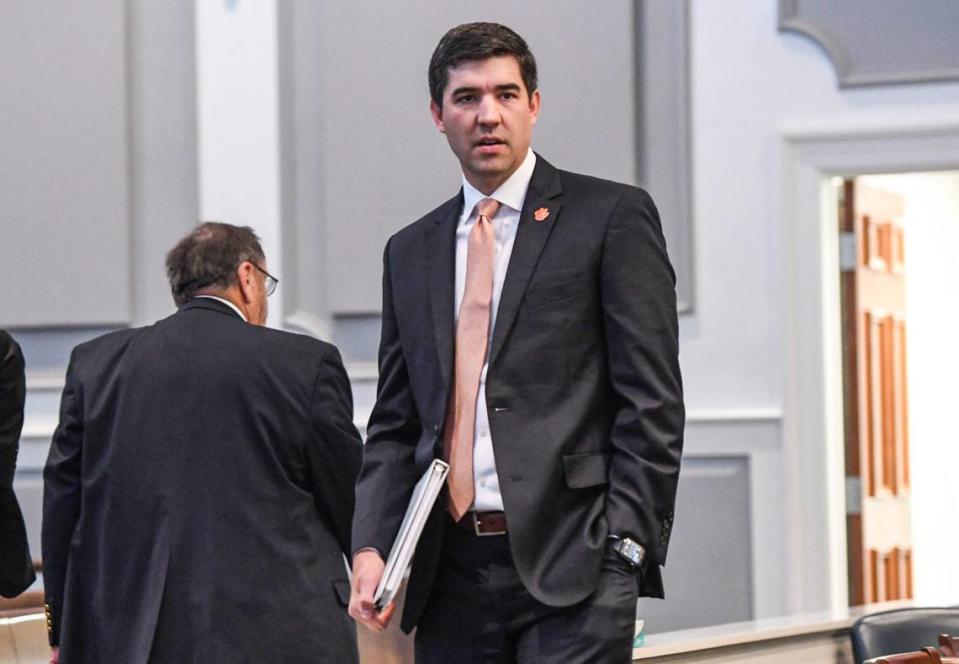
[472, 339]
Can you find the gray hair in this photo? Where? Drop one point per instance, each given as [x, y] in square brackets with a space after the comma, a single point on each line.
[208, 257]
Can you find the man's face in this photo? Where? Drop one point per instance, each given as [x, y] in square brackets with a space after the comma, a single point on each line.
[488, 117]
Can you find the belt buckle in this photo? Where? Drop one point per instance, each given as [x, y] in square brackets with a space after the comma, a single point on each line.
[476, 527]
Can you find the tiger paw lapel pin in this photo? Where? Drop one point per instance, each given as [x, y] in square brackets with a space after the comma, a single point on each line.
[541, 214]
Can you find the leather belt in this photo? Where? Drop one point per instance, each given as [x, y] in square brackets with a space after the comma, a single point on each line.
[483, 524]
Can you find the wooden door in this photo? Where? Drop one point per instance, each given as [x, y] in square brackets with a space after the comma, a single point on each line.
[874, 376]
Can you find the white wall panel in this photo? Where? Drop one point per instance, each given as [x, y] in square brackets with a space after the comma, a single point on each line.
[64, 186]
[237, 97]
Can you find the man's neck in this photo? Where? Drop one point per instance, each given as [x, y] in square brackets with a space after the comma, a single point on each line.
[488, 186]
[510, 191]
[225, 299]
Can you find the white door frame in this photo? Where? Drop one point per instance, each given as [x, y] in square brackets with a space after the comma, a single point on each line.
[813, 400]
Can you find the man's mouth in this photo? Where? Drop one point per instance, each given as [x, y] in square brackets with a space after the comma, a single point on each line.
[489, 144]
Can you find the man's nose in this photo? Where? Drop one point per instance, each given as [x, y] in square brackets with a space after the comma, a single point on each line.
[488, 111]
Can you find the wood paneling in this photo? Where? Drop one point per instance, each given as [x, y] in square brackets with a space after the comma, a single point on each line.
[870, 389]
[875, 299]
[890, 565]
[873, 575]
[857, 586]
[888, 407]
[901, 401]
[907, 571]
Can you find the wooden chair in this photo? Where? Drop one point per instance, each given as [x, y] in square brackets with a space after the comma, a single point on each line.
[924, 656]
[949, 645]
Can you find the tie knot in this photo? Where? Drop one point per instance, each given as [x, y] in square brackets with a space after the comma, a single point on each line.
[488, 208]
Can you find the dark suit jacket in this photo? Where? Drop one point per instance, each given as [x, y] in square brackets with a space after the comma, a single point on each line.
[16, 567]
[198, 496]
[583, 387]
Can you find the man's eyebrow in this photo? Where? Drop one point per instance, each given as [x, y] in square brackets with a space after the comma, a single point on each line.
[469, 89]
[464, 90]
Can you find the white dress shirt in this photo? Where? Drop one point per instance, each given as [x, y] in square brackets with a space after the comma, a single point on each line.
[511, 196]
[227, 303]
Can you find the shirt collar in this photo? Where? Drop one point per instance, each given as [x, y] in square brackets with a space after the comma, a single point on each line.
[511, 193]
[227, 303]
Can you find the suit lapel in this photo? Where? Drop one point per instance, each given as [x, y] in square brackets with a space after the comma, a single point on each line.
[440, 253]
[545, 191]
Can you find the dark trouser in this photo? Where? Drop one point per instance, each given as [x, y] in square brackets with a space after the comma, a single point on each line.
[479, 612]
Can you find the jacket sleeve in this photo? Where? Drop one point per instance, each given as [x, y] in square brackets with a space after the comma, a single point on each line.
[388, 473]
[62, 495]
[334, 454]
[16, 566]
[641, 327]
[12, 394]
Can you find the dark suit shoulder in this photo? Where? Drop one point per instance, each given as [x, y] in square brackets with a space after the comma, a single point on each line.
[294, 344]
[6, 342]
[111, 343]
[9, 350]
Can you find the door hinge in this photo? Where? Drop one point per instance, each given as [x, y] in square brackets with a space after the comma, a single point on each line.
[853, 494]
[847, 251]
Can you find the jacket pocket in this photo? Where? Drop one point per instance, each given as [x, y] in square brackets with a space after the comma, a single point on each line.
[585, 470]
[556, 291]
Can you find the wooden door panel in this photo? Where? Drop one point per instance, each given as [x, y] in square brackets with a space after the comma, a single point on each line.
[888, 406]
[875, 366]
[900, 402]
[874, 257]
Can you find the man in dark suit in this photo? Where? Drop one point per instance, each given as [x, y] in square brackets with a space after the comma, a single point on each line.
[199, 489]
[530, 338]
[16, 566]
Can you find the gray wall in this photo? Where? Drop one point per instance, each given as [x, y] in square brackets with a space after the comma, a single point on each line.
[98, 170]
[64, 185]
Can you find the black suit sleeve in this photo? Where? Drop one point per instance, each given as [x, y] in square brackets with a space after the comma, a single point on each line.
[12, 394]
[62, 496]
[389, 472]
[639, 310]
[16, 567]
[334, 454]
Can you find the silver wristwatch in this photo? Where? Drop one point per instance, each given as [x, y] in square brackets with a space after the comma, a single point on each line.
[632, 552]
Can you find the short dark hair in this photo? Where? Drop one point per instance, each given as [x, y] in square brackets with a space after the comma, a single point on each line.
[208, 257]
[478, 41]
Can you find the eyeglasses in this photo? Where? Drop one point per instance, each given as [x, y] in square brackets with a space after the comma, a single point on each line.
[271, 281]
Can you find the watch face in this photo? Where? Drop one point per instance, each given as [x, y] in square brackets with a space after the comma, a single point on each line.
[631, 551]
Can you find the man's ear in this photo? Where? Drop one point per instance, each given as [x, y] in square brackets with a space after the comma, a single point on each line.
[534, 102]
[437, 112]
[244, 279]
